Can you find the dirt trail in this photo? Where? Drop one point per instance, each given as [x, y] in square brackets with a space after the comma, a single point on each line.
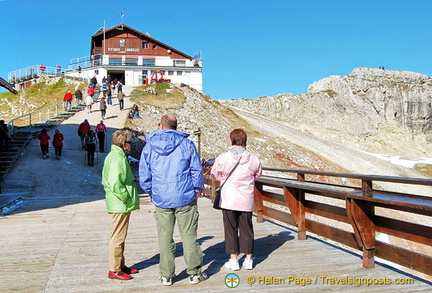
[353, 160]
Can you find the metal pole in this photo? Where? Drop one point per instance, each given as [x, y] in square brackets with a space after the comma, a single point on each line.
[198, 133]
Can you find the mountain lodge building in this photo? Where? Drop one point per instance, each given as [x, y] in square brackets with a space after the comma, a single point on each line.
[125, 55]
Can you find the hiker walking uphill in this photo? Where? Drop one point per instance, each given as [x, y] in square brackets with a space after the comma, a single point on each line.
[90, 141]
[82, 131]
[4, 136]
[103, 107]
[44, 139]
[120, 97]
[101, 130]
[89, 103]
[68, 100]
[58, 143]
[79, 96]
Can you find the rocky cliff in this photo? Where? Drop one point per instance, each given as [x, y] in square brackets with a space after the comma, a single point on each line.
[381, 111]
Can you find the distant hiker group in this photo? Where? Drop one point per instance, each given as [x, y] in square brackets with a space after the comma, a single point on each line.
[90, 138]
[57, 143]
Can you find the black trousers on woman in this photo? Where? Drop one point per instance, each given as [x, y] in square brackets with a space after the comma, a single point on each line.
[239, 234]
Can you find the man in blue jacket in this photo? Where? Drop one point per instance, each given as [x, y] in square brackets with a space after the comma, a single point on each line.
[170, 172]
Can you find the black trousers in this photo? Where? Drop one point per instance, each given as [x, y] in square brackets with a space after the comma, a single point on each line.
[101, 138]
[91, 148]
[44, 149]
[58, 150]
[239, 234]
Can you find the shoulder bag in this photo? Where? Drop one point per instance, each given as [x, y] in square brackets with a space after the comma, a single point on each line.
[216, 203]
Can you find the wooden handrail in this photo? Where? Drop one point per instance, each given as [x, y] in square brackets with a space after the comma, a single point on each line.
[358, 216]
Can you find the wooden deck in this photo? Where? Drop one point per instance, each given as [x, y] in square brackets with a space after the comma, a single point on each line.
[60, 244]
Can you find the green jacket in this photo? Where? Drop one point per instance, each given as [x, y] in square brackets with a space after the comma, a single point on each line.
[118, 181]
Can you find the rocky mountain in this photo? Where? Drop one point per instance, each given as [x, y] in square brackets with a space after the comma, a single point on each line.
[375, 110]
[215, 122]
[336, 126]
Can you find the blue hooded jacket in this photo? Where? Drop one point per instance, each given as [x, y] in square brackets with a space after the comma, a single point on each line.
[170, 169]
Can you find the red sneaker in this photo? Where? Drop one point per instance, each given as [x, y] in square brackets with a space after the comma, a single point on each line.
[119, 275]
[129, 270]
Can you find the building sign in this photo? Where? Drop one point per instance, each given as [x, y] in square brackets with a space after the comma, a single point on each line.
[123, 50]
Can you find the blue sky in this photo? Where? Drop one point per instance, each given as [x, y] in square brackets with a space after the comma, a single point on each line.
[249, 48]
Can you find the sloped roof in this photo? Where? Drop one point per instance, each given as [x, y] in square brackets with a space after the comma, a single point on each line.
[100, 33]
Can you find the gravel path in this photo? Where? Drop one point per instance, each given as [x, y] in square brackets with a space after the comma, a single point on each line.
[69, 175]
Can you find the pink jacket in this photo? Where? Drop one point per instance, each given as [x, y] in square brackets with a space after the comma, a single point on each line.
[238, 192]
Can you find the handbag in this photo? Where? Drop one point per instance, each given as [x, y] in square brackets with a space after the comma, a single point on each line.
[216, 203]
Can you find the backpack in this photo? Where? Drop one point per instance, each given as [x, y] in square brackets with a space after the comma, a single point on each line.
[90, 138]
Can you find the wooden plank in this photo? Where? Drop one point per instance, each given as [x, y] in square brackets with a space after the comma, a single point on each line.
[327, 211]
[332, 233]
[409, 231]
[407, 258]
[414, 203]
[273, 214]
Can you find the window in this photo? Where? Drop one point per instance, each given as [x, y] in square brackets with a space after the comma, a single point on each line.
[148, 62]
[179, 63]
[144, 72]
[179, 73]
[170, 72]
[145, 45]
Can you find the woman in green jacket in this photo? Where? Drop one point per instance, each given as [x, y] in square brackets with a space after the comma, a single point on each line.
[121, 199]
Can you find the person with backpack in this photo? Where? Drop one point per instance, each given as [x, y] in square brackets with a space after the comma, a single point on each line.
[83, 129]
[90, 141]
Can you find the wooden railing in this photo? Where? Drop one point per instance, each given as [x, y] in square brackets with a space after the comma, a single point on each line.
[393, 226]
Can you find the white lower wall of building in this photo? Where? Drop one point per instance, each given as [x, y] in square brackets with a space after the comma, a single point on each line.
[134, 76]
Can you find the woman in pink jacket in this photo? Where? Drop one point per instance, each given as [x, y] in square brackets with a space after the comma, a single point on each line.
[237, 198]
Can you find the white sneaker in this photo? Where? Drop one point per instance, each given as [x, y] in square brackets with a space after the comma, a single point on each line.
[233, 265]
[165, 281]
[248, 264]
[197, 278]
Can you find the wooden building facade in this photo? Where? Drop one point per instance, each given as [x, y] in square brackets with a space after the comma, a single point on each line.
[132, 57]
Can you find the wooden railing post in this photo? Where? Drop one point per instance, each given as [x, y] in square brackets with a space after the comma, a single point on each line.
[259, 202]
[367, 187]
[363, 214]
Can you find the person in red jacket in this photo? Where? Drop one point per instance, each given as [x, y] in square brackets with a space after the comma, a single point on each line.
[44, 143]
[58, 144]
[68, 100]
[91, 91]
[82, 131]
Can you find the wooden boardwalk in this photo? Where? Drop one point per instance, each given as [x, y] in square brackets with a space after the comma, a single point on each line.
[52, 247]
[58, 241]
